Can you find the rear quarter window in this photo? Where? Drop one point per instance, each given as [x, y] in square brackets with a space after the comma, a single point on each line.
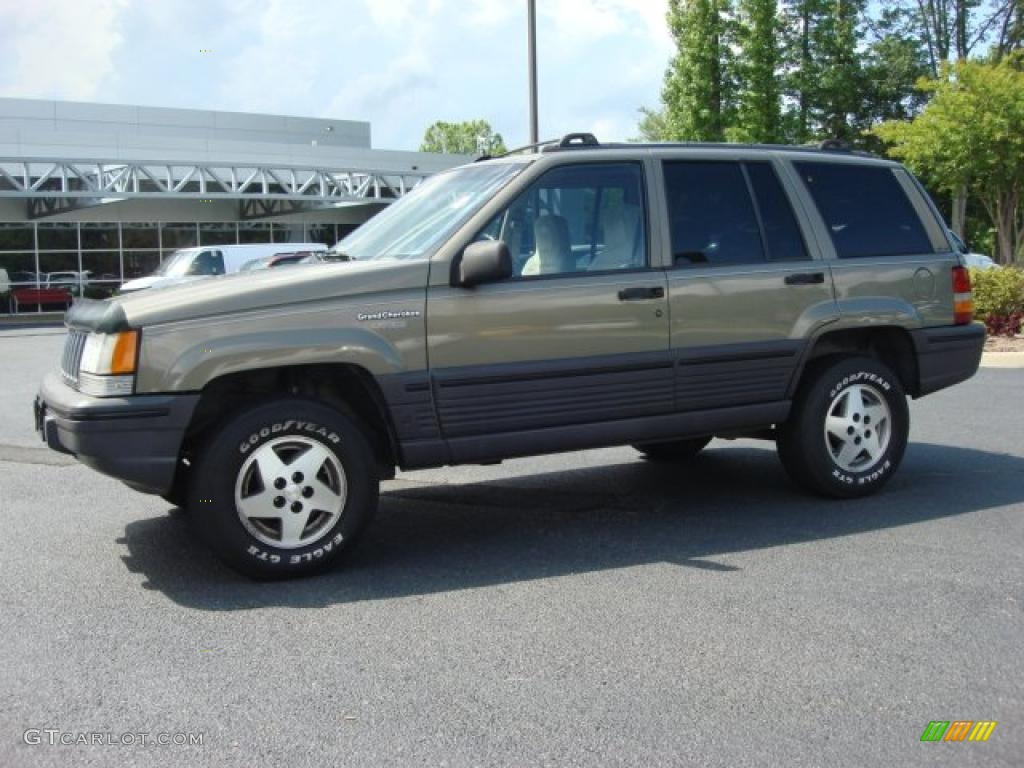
[865, 209]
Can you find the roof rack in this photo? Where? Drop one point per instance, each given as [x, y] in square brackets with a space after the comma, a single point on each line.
[569, 141]
[518, 150]
[572, 141]
[834, 145]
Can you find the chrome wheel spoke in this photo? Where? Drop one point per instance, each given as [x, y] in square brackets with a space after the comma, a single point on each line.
[848, 454]
[872, 445]
[259, 505]
[325, 498]
[876, 415]
[270, 466]
[854, 402]
[293, 525]
[310, 462]
[837, 426]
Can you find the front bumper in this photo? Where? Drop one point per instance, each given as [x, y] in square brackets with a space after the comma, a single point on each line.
[136, 439]
[947, 355]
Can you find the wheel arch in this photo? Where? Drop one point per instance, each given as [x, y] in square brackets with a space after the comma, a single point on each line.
[891, 345]
[346, 387]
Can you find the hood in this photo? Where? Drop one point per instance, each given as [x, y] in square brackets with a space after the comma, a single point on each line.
[157, 281]
[246, 291]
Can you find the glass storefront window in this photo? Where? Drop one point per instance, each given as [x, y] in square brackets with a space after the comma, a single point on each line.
[140, 263]
[58, 262]
[20, 267]
[99, 236]
[321, 233]
[17, 237]
[290, 232]
[178, 235]
[219, 233]
[101, 265]
[140, 236]
[58, 237]
[253, 232]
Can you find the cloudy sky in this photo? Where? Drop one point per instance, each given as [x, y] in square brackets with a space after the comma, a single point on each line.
[401, 64]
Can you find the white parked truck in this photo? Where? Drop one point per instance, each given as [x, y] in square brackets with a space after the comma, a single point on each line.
[207, 261]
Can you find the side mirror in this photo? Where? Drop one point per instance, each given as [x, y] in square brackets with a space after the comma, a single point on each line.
[485, 261]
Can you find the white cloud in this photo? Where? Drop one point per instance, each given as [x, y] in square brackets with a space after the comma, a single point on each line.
[55, 49]
[401, 64]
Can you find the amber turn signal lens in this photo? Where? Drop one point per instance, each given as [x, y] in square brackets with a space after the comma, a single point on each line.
[125, 354]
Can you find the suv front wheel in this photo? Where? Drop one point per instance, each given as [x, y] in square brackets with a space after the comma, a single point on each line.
[848, 429]
[283, 488]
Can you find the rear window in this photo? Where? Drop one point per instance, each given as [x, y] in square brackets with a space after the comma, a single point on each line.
[865, 209]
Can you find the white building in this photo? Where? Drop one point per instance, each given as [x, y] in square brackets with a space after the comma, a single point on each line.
[109, 190]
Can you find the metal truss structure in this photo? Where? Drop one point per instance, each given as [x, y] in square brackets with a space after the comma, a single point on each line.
[55, 186]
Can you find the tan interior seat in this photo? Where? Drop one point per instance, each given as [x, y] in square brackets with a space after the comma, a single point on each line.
[513, 237]
[553, 252]
[620, 251]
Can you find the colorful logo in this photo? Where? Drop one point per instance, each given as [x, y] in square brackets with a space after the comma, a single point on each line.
[958, 730]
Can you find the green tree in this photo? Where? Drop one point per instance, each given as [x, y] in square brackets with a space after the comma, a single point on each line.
[471, 137]
[758, 99]
[698, 89]
[971, 136]
[802, 62]
[841, 87]
[653, 125]
[893, 62]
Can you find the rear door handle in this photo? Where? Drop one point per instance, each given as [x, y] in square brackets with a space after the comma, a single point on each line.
[805, 278]
[639, 294]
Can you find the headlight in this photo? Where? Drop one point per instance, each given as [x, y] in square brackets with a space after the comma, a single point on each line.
[108, 364]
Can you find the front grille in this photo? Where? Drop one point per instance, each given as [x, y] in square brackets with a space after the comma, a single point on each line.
[72, 357]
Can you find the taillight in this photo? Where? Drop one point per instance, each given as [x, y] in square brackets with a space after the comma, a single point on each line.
[963, 303]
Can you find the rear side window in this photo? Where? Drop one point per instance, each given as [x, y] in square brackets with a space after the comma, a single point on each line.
[782, 237]
[711, 215]
[865, 209]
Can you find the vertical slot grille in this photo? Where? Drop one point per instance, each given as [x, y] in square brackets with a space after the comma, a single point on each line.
[72, 357]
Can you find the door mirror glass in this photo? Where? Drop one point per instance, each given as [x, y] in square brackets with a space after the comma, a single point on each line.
[485, 261]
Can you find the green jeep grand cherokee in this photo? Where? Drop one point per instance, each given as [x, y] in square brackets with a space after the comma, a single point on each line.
[571, 296]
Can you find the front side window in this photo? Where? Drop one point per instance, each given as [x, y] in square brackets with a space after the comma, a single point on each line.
[207, 263]
[177, 264]
[418, 224]
[575, 219]
[865, 209]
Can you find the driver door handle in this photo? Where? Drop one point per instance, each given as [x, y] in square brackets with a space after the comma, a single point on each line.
[805, 278]
[640, 294]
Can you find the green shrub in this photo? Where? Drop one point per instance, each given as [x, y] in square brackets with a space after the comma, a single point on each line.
[997, 292]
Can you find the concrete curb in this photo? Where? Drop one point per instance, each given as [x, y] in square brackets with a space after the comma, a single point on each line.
[1002, 360]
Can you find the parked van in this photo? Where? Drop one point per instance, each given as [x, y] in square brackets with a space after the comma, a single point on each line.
[190, 264]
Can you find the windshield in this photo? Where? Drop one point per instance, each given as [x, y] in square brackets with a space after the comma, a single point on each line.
[415, 226]
[177, 264]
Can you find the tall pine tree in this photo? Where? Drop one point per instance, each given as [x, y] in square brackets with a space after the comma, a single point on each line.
[758, 95]
[698, 91]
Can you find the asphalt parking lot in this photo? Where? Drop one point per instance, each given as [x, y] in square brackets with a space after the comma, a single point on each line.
[582, 609]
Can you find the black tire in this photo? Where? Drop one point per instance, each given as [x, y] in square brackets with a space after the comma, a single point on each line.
[294, 426]
[673, 450]
[814, 458]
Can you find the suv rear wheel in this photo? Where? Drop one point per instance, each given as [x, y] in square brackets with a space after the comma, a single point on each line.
[848, 430]
[283, 488]
[673, 450]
